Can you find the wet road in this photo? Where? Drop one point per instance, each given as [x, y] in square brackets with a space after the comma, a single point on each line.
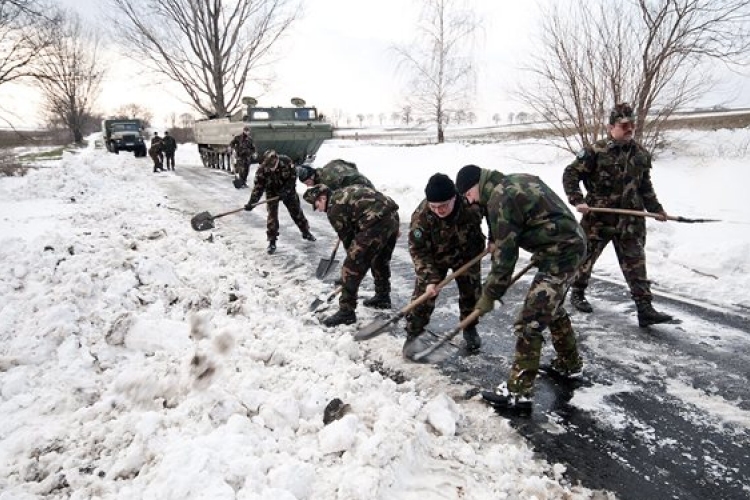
[663, 412]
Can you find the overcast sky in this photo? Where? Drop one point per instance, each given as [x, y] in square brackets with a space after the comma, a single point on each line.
[339, 56]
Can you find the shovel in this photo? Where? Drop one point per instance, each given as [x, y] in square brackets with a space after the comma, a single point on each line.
[319, 302]
[325, 265]
[205, 221]
[641, 213]
[374, 328]
[463, 324]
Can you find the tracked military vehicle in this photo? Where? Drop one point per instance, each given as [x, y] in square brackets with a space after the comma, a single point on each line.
[297, 132]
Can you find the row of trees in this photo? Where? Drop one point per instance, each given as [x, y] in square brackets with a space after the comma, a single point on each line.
[590, 55]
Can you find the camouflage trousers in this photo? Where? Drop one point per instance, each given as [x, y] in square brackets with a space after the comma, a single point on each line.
[370, 250]
[543, 308]
[291, 201]
[242, 167]
[469, 290]
[157, 159]
[632, 258]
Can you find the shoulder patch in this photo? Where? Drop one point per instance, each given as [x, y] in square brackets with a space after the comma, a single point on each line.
[583, 154]
[417, 233]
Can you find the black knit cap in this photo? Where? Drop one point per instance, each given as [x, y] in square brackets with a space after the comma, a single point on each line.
[305, 172]
[467, 177]
[439, 188]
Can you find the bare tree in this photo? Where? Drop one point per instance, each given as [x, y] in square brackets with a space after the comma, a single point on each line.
[406, 114]
[26, 30]
[210, 48]
[395, 117]
[186, 120]
[440, 60]
[70, 75]
[649, 53]
[133, 111]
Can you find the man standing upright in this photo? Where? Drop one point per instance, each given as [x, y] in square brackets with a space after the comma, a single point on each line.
[524, 213]
[244, 149]
[276, 176]
[445, 234]
[366, 221]
[616, 173]
[334, 174]
[169, 145]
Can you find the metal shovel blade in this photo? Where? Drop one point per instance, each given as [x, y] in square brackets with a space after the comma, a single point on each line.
[375, 328]
[324, 267]
[202, 221]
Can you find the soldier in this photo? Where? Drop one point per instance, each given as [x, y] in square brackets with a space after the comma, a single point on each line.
[155, 152]
[524, 212]
[169, 145]
[276, 177]
[334, 174]
[366, 221]
[616, 173]
[445, 233]
[244, 148]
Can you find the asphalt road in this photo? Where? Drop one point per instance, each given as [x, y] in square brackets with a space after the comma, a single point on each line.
[662, 413]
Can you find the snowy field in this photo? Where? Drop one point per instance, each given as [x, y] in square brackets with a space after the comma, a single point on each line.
[139, 359]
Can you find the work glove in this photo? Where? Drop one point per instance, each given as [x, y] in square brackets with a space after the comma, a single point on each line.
[485, 304]
[249, 206]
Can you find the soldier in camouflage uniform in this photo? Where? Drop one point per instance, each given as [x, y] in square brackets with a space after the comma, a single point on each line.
[276, 176]
[155, 152]
[524, 212]
[169, 146]
[445, 233]
[616, 173]
[367, 222]
[244, 148]
[334, 174]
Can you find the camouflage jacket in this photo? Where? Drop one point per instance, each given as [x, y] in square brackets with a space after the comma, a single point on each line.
[339, 173]
[243, 145]
[354, 209]
[280, 181]
[169, 145]
[525, 213]
[436, 243]
[157, 144]
[615, 176]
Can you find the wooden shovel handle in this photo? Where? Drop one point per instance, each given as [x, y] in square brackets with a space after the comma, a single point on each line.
[243, 208]
[458, 272]
[625, 211]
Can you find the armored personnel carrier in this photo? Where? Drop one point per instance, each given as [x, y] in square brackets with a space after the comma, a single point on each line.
[297, 132]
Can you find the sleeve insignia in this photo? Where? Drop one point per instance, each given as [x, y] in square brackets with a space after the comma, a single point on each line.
[417, 233]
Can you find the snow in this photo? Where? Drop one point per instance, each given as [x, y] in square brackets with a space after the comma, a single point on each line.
[138, 359]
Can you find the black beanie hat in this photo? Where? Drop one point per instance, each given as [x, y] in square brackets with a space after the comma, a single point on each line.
[439, 188]
[467, 177]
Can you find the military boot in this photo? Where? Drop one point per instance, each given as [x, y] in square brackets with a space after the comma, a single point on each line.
[578, 299]
[648, 316]
[378, 301]
[271, 247]
[341, 317]
[307, 235]
[472, 339]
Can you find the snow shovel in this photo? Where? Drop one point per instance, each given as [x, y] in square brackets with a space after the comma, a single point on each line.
[205, 221]
[641, 213]
[319, 302]
[325, 265]
[376, 327]
[444, 339]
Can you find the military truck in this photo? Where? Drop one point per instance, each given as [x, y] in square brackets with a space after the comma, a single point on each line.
[123, 135]
[297, 132]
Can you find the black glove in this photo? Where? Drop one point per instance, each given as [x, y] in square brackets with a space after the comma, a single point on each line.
[249, 206]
